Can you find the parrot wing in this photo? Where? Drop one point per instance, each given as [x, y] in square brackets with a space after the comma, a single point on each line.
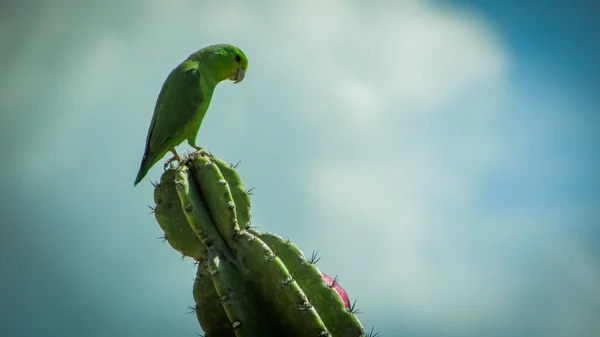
[177, 103]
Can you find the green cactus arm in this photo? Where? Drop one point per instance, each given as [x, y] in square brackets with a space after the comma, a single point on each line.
[180, 235]
[240, 195]
[198, 215]
[275, 284]
[172, 220]
[209, 310]
[238, 299]
[339, 320]
[217, 195]
[232, 290]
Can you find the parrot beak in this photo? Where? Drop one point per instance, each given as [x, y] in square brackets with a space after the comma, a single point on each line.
[238, 76]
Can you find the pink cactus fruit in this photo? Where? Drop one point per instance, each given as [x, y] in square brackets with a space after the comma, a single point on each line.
[343, 294]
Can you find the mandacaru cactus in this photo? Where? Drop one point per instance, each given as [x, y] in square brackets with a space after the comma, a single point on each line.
[248, 283]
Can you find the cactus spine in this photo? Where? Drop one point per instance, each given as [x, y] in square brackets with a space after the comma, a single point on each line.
[248, 283]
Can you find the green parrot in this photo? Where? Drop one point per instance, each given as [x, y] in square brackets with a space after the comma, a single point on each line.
[184, 100]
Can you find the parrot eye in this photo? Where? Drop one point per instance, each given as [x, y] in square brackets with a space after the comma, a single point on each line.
[238, 58]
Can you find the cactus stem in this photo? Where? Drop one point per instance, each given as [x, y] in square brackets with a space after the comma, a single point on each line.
[245, 277]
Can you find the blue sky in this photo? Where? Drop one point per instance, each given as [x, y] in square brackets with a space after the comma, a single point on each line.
[441, 156]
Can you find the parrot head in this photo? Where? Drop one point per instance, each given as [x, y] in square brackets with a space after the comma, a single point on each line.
[242, 64]
[225, 61]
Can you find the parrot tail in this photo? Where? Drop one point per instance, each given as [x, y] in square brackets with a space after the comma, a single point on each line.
[144, 168]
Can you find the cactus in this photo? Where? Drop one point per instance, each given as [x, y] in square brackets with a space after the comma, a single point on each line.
[248, 283]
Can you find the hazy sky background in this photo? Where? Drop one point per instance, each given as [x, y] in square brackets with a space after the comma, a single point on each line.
[441, 156]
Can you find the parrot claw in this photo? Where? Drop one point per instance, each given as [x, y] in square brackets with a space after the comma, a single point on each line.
[201, 152]
[206, 154]
[176, 157]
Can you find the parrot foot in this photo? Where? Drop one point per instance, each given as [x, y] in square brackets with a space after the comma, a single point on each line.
[175, 157]
[200, 151]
